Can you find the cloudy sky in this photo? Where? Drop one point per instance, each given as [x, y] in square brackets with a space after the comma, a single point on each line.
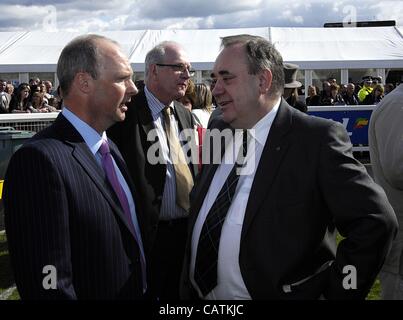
[106, 15]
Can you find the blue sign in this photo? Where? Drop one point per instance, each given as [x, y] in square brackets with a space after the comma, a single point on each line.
[354, 119]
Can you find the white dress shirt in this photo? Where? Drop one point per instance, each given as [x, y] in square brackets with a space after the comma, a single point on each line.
[230, 284]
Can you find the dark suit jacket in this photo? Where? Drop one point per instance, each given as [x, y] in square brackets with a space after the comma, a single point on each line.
[131, 138]
[61, 211]
[306, 183]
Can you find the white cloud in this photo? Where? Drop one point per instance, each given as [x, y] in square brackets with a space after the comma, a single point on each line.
[77, 15]
[389, 10]
[194, 8]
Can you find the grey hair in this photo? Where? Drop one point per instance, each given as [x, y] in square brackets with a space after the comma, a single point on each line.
[261, 55]
[157, 54]
[79, 55]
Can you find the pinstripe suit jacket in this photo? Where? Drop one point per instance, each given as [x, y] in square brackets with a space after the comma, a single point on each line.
[61, 211]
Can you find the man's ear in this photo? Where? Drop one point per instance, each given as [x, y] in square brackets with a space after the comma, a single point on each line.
[265, 81]
[153, 71]
[83, 82]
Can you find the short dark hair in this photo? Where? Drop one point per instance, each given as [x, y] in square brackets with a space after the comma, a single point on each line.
[261, 55]
[79, 55]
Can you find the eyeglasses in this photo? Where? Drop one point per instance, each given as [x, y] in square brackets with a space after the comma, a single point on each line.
[178, 68]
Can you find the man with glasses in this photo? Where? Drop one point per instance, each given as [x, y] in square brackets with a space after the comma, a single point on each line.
[154, 121]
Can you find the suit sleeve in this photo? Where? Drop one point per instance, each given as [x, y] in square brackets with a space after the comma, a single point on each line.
[391, 157]
[37, 225]
[361, 212]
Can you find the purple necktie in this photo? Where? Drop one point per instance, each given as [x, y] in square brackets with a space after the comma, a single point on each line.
[107, 164]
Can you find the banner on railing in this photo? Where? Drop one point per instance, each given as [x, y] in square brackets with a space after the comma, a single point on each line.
[354, 118]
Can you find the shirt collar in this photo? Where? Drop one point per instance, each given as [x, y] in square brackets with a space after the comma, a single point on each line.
[90, 136]
[154, 104]
[261, 129]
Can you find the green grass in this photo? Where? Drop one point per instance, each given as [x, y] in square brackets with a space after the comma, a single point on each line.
[375, 293]
[14, 296]
[6, 274]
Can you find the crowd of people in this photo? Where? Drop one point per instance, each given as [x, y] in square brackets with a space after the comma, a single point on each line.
[369, 92]
[121, 209]
[39, 96]
[33, 97]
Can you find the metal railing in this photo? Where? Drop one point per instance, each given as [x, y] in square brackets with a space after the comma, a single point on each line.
[28, 121]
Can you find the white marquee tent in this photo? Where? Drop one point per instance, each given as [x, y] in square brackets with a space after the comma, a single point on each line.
[320, 52]
[311, 48]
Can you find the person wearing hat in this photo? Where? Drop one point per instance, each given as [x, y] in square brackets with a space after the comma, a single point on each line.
[291, 86]
[376, 80]
[366, 89]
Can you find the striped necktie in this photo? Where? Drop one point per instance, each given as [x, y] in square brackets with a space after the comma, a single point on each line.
[205, 272]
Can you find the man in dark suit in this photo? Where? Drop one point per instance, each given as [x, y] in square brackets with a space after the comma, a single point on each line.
[291, 86]
[147, 149]
[73, 217]
[264, 227]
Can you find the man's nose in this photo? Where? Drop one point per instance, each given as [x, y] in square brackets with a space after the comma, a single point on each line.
[132, 89]
[218, 89]
[186, 73]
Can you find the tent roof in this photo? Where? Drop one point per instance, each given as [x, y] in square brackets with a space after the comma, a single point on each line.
[311, 48]
[340, 48]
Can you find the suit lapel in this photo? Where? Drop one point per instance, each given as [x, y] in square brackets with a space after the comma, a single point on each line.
[206, 176]
[274, 150]
[183, 120]
[82, 154]
[199, 193]
[145, 116]
[147, 125]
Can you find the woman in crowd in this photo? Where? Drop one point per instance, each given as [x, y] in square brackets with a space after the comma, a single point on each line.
[335, 98]
[203, 103]
[20, 100]
[38, 104]
[313, 98]
[375, 96]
